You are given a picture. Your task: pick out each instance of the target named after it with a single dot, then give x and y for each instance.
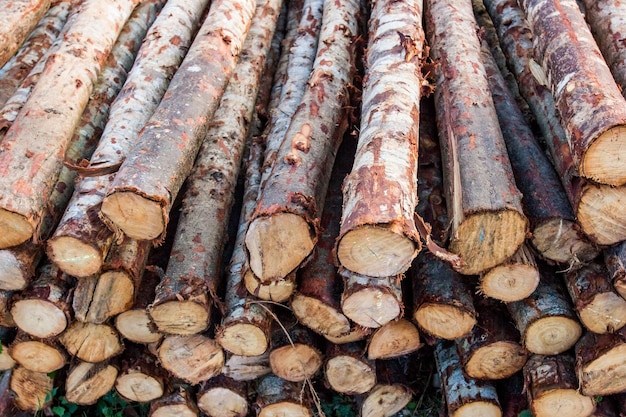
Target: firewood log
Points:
(355, 334)
(6, 396)
(66, 83)
(223, 397)
(295, 355)
(582, 85)
(247, 368)
(168, 143)
(615, 261)
(140, 378)
(546, 319)
(20, 18)
(7, 334)
(183, 299)
(392, 392)
(599, 307)
(396, 338)
(179, 403)
(464, 396)
(512, 395)
(39, 355)
(492, 350)
(347, 370)
(44, 308)
(600, 364)
(91, 342)
(87, 382)
(512, 280)
(193, 358)
(81, 241)
(606, 407)
(31, 389)
(598, 208)
(6, 319)
(276, 397)
(553, 389)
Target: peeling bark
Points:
(20, 18)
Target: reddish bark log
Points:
(600, 363)
(20, 18)
(277, 396)
(223, 397)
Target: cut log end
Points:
(32, 389)
(12, 277)
(139, 387)
(552, 335)
(376, 251)
(497, 360)
(601, 213)
(510, 282)
(278, 291)
(6, 361)
(562, 402)
(113, 294)
(319, 317)
(74, 257)
(285, 408)
(91, 342)
(605, 314)
(349, 375)
(296, 362)
(386, 400)
(138, 217)
(39, 318)
(444, 321)
(486, 239)
(223, 402)
(15, 228)
(478, 408)
(394, 339)
(354, 335)
(178, 410)
(243, 339)
(559, 240)
(180, 317)
(277, 245)
(604, 375)
(371, 307)
(604, 160)
(38, 356)
(193, 358)
(88, 382)
(134, 325)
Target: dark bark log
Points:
(392, 392)
(295, 355)
(396, 338)
(87, 382)
(369, 301)
(223, 397)
(512, 280)
(90, 342)
(512, 395)
(615, 261)
(178, 404)
(347, 370)
(38, 355)
(600, 363)
(141, 378)
(32, 389)
(6, 319)
(277, 396)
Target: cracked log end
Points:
(134, 325)
(354, 335)
(138, 217)
(138, 386)
(604, 161)
(375, 251)
(444, 321)
(319, 316)
(88, 382)
(605, 314)
(497, 360)
(180, 317)
(278, 291)
(243, 339)
(371, 307)
(91, 342)
(194, 358)
(74, 257)
(510, 282)
(387, 400)
(349, 375)
(31, 389)
(606, 374)
(552, 335)
(39, 318)
(15, 228)
(601, 213)
(559, 240)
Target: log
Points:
(32, 389)
(347, 370)
(512, 280)
(552, 387)
(31, 169)
(396, 338)
(6, 319)
(87, 382)
(546, 319)
(193, 275)
(91, 342)
(193, 358)
(512, 395)
(481, 202)
(81, 240)
(138, 205)
(179, 403)
(223, 397)
(599, 307)
(464, 396)
(247, 368)
(370, 301)
(43, 310)
(600, 363)
(289, 208)
(392, 393)
(492, 350)
(597, 207)
(295, 356)
(20, 17)
(355, 334)
(39, 355)
(278, 397)
(615, 261)
(582, 86)
(6, 361)
(278, 291)
(141, 378)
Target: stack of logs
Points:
(215, 206)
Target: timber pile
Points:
(217, 209)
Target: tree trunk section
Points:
(512, 395)
(295, 356)
(87, 382)
(6, 319)
(552, 387)
(396, 338)
(247, 368)
(141, 378)
(492, 350)
(371, 302)
(90, 342)
(546, 319)
(178, 404)
(223, 397)
(488, 225)
(392, 392)
(512, 280)
(278, 397)
(615, 261)
(32, 389)
(193, 358)
(20, 18)
(600, 363)
(347, 370)
(39, 355)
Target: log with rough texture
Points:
(615, 261)
(32, 389)
(193, 358)
(20, 17)
(392, 392)
(512, 395)
(484, 205)
(599, 209)
(91, 342)
(546, 319)
(601, 363)
(180, 403)
(33, 48)
(599, 307)
(6, 361)
(183, 299)
(347, 370)
(285, 224)
(278, 291)
(87, 382)
(31, 166)
(223, 397)
(464, 396)
(81, 241)
(591, 107)
(141, 378)
(278, 397)
(6, 319)
(295, 355)
(378, 236)
(492, 350)
(396, 338)
(39, 355)
(247, 368)
(371, 302)
(139, 199)
(553, 389)
(512, 280)
(552, 223)
(355, 334)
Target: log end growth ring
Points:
(134, 325)
(38, 356)
(479, 408)
(16, 229)
(39, 318)
(562, 402)
(602, 213)
(349, 375)
(552, 335)
(74, 257)
(12, 276)
(386, 400)
(138, 217)
(295, 362)
(376, 251)
(605, 160)
(444, 321)
(559, 240)
(605, 314)
(139, 387)
(223, 402)
(319, 317)
(510, 283)
(87, 383)
(606, 374)
(243, 339)
(371, 307)
(497, 360)
(180, 317)
(278, 291)
(354, 335)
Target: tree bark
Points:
(277, 397)
(87, 382)
(512, 280)
(178, 404)
(347, 370)
(371, 302)
(552, 387)
(141, 378)
(81, 241)
(31, 167)
(392, 392)
(484, 205)
(546, 319)
(38, 355)
(600, 365)
(6, 319)
(223, 397)
(193, 358)
(164, 151)
(512, 395)
(90, 342)
(247, 368)
(20, 18)
(32, 389)
(295, 356)
(615, 261)
(7, 334)
(591, 107)
(396, 338)
(378, 236)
